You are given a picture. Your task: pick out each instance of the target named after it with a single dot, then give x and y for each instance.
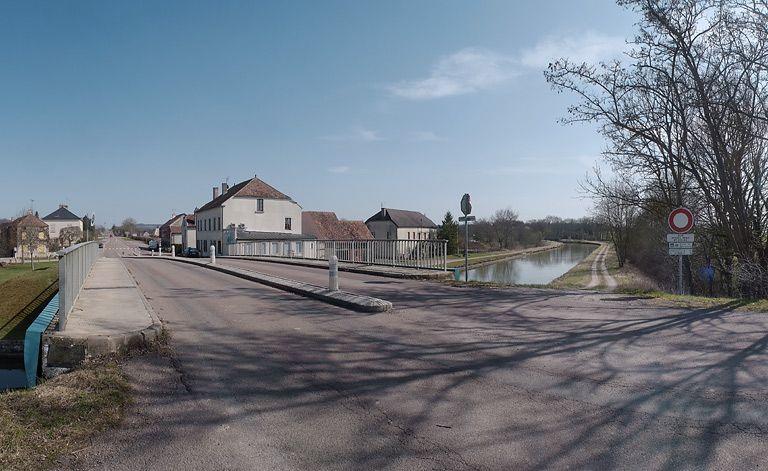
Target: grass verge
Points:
(56, 418)
(687, 301)
(19, 285)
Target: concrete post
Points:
(173, 251)
(333, 273)
(213, 255)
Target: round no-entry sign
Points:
(681, 220)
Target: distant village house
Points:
(389, 224)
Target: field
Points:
(19, 285)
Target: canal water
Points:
(535, 269)
(12, 378)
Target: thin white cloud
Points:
(356, 135)
(466, 71)
(589, 47)
(425, 136)
(545, 165)
(339, 169)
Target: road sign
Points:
(681, 245)
(680, 252)
(680, 220)
(680, 237)
(466, 205)
(466, 218)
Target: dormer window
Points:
(259, 205)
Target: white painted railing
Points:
(428, 254)
(75, 264)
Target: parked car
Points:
(191, 252)
(153, 245)
(101, 245)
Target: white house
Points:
(61, 219)
(251, 210)
(170, 231)
(401, 224)
(188, 232)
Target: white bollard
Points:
(333, 273)
(173, 251)
(151, 253)
(213, 255)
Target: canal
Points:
(535, 269)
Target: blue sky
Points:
(139, 108)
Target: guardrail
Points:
(33, 337)
(74, 265)
(427, 254)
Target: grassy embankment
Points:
(632, 281)
(493, 256)
(19, 285)
(57, 418)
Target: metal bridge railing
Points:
(427, 254)
(74, 265)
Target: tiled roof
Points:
(403, 218)
(326, 226)
(61, 214)
(172, 221)
(254, 188)
(29, 220)
(356, 230)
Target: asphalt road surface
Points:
(452, 378)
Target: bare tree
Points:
(685, 116)
(619, 218)
(32, 238)
(69, 236)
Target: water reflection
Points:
(11, 379)
(535, 269)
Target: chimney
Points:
(63, 206)
(383, 212)
(224, 187)
(215, 192)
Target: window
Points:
(219, 244)
(287, 224)
(259, 205)
(219, 223)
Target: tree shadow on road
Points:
(488, 379)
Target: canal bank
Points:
(539, 266)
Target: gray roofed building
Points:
(403, 218)
(62, 214)
(401, 224)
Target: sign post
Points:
(680, 221)
(466, 208)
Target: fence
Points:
(427, 254)
(74, 265)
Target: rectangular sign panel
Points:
(466, 218)
(679, 237)
(681, 245)
(681, 251)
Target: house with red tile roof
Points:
(15, 237)
(249, 210)
(325, 225)
(170, 231)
